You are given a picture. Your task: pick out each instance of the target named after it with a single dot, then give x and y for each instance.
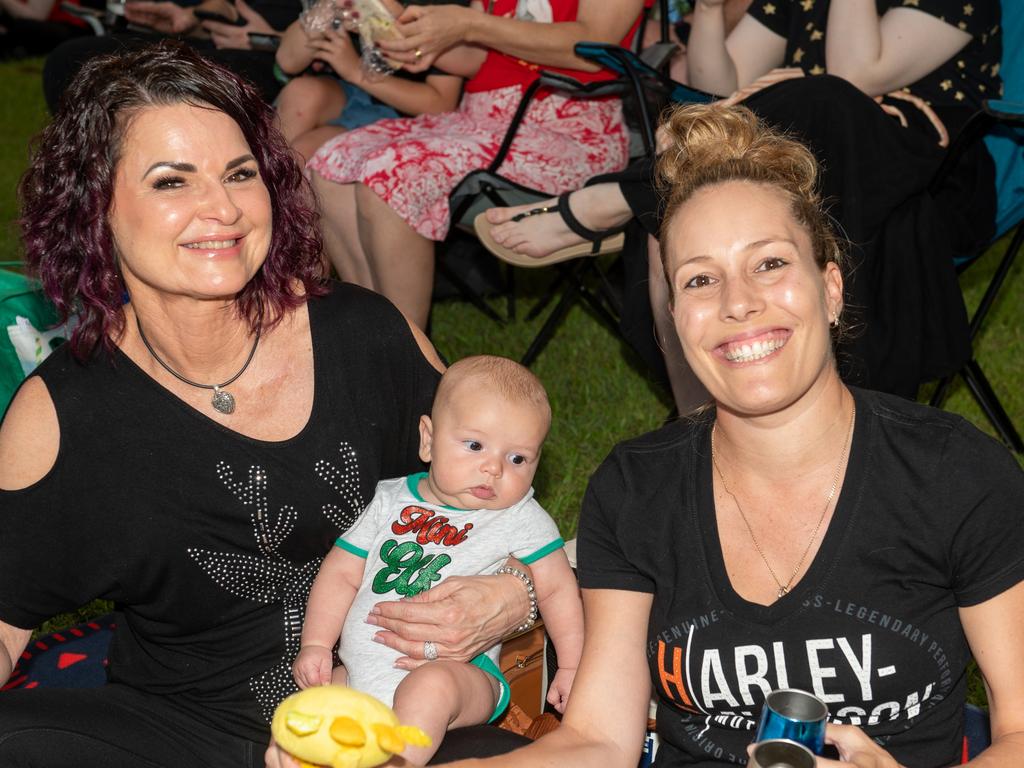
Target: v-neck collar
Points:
(839, 527)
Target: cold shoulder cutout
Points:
(29, 437)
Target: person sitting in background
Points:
(192, 453)
(384, 188)
(796, 532)
(316, 107)
(468, 514)
(35, 27)
(878, 103)
(229, 41)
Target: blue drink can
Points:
(794, 715)
(781, 753)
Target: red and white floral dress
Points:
(413, 163)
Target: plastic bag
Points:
(370, 19)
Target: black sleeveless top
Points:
(207, 540)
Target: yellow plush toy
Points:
(338, 727)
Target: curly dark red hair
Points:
(66, 192)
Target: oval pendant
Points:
(223, 401)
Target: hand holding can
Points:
(794, 715)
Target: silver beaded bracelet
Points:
(531, 619)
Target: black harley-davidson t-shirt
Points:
(208, 540)
(929, 520)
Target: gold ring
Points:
(418, 54)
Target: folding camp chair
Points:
(582, 279)
(486, 187)
(651, 88)
(1000, 124)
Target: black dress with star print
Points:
(954, 90)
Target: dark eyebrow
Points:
(238, 161)
(183, 167)
(189, 168)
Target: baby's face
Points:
(483, 449)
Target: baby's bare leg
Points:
(442, 695)
(339, 675)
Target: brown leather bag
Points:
(522, 663)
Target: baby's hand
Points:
(312, 666)
(558, 693)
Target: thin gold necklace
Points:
(784, 588)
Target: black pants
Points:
(119, 727)
(65, 60)
(112, 727)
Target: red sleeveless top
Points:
(500, 70)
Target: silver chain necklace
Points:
(222, 400)
(784, 588)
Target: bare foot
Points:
(601, 206)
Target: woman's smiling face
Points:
(751, 306)
(189, 214)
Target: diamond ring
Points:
(429, 651)
(418, 54)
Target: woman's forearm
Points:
(33, 9)
(880, 55)
(708, 62)
(1004, 752)
(440, 93)
(294, 55)
(562, 748)
(859, 46)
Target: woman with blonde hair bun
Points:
(877, 90)
(797, 533)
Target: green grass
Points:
(600, 395)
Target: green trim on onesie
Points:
(349, 547)
(483, 661)
(412, 482)
(544, 551)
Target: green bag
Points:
(26, 317)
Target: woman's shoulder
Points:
(29, 436)
(350, 323)
(357, 315)
(666, 449)
(928, 436)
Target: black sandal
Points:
(598, 241)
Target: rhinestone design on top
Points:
(344, 480)
(267, 577)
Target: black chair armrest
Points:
(1005, 111)
(992, 112)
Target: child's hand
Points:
(558, 693)
(335, 48)
(312, 666)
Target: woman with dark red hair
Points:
(219, 417)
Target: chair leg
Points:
(548, 329)
(549, 294)
(510, 297)
(941, 392)
(475, 298)
(1001, 273)
(986, 398)
(598, 305)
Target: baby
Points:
(472, 511)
